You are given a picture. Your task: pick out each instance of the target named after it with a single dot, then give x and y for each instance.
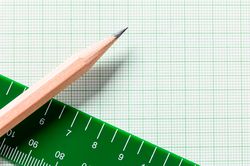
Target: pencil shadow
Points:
(88, 87)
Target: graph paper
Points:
(179, 77)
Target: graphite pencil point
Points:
(118, 34)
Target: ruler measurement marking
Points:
(16, 154)
(13, 154)
(41, 162)
(3, 149)
(100, 131)
(48, 107)
(74, 119)
(29, 160)
(2, 143)
(24, 89)
(114, 135)
(21, 158)
(166, 159)
(33, 159)
(9, 88)
(7, 148)
(28, 157)
(126, 143)
(38, 162)
(9, 153)
(62, 112)
(181, 162)
(152, 155)
(56, 163)
(19, 155)
(25, 156)
(88, 123)
(140, 147)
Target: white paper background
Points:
(179, 77)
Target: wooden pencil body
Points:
(36, 96)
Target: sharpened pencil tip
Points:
(118, 34)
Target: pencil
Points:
(41, 92)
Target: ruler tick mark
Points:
(88, 123)
(29, 160)
(9, 88)
(32, 161)
(2, 143)
(126, 143)
(28, 157)
(152, 155)
(62, 112)
(100, 131)
(114, 135)
(35, 161)
(17, 156)
(181, 162)
(16, 153)
(9, 152)
(20, 157)
(38, 163)
(140, 147)
(24, 89)
(3, 149)
(13, 154)
(23, 158)
(166, 159)
(74, 119)
(41, 162)
(48, 107)
(7, 148)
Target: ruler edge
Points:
(106, 123)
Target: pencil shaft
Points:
(36, 96)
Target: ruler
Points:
(60, 135)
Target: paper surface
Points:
(179, 77)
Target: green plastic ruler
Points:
(58, 134)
